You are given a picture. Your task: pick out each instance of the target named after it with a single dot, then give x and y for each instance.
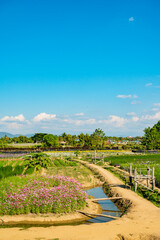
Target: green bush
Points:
(6, 171)
(18, 170)
(29, 171)
(37, 161)
(57, 163)
(62, 162)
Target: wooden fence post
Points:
(130, 174)
(135, 179)
(153, 179)
(148, 170)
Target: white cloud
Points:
(124, 96)
(131, 114)
(80, 122)
(156, 104)
(112, 123)
(115, 120)
(156, 116)
(148, 84)
(155, 109)
(90, 121)
(14, 125)
(131, 19)
(151, 84)
(127, 96)
(19, 118)
(44, 117)
(135, 119)
(135, 102)
(79, 114)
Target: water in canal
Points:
(108, 207)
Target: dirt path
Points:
(141, 222)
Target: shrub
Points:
(29, 170)
(6, 171)
(37, 161)
(18, 170)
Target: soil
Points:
(50, 218)
(142, 221)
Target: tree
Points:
(50, 140)
(64, 136)
(74, 140)
(81, 138)
(38, 137)
(69, 139)
(99, 133)
(3, 143)
(87, 140)
(98, 137)
(22, 139)
(151, 139)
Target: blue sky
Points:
(75, 66)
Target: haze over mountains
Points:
(3, 134)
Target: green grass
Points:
(2, 163)
(13, 168)
(141, 162)
(154, 196)
(63, 163)
(65, 167)
(138, 161)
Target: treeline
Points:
(96, 140)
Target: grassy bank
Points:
(141, 161)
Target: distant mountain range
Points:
(3, 134)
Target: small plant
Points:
(37, 161)
(77, 153)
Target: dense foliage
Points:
(37, 194)
(38, 137)
(50, 140)
(151, 139)
(37, 161)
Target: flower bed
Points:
(11, 155)
(37, 194)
